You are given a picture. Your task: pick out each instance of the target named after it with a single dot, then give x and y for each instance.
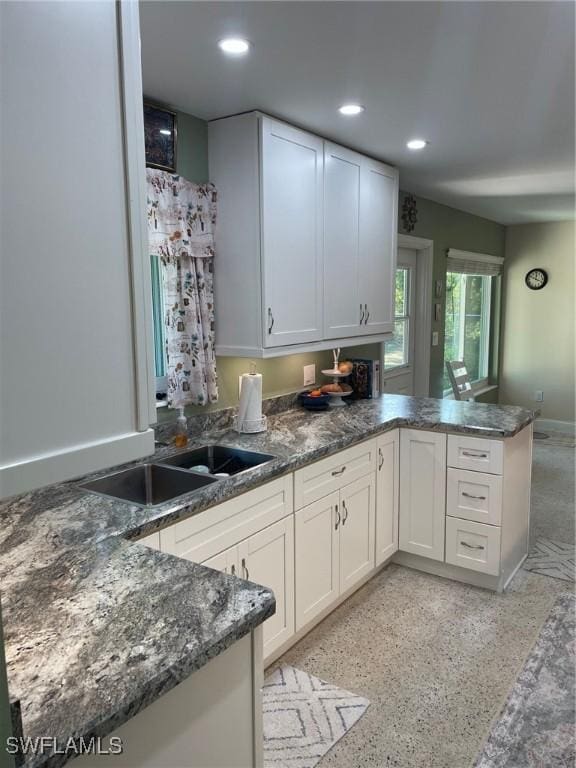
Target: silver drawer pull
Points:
(233, 570)
(471, 546)
(361, 315)
(471, 496)
(475, 455)
(345, 508)
(245, 568)
(367, 314)
(270, 320)
(339, 471)
(381, 459)
(337, 518)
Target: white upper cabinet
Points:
(378, 224)
(342, 308)
(291, 204)
(360, 212)
(305, 240)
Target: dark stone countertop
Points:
(98, 626)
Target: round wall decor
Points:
(536, 278)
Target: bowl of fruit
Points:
(314, 400)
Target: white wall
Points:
(538, 326)
(68, 388)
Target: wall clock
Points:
(536, 278)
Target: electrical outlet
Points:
(435, 338)
(309, 375)
(539, 396)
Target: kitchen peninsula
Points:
(122, 624)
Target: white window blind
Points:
(470, 263)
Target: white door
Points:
(267, 558)
(357, 507)
(226, 561)
(422, 493)
(342, 308)
(387, 493)
(398, 363)
(291, 199)
(378, 223)
(317, 557)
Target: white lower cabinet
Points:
(357, 507)
(422, 493)
(268, 558)
(387, 495)
(317, 557)
(226, 561)
(334, 546)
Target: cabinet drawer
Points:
(473, 545)
(475, 453)
(204, 535)
(323, 477)
(474, 496)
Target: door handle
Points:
(337, 518)
(245, 569)
(471, 546)
(337, 472)
(471, 496)
(233, 569)
(270, 320)
(367, 314)
(381, 464)
(361, 315)
(345, 508)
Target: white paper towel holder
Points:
(251, 426)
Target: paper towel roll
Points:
(250, 406)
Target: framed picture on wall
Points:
(160, 137)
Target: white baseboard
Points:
(568, 427)
(39, 471)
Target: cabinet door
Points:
(387, 493)
(342, 310)
(226, 561)
(317, 557)
(268, 558)
(378, 224)
(291, 199)
(422, 493)
(357, 505)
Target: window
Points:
(467, 333)
(396, 350)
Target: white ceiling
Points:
(489, 84)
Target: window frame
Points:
(487, 329)
(406, 319)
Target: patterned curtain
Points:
(181, 220)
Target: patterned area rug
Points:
(552, 558)
(304, 717)
(536, 728)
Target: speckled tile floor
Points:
(436, 659)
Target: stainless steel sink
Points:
(219, 458)
(148, 484)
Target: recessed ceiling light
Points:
(351, 109)
(234, 46)
(416, 144)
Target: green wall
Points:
(448, 227)
(192, 148)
